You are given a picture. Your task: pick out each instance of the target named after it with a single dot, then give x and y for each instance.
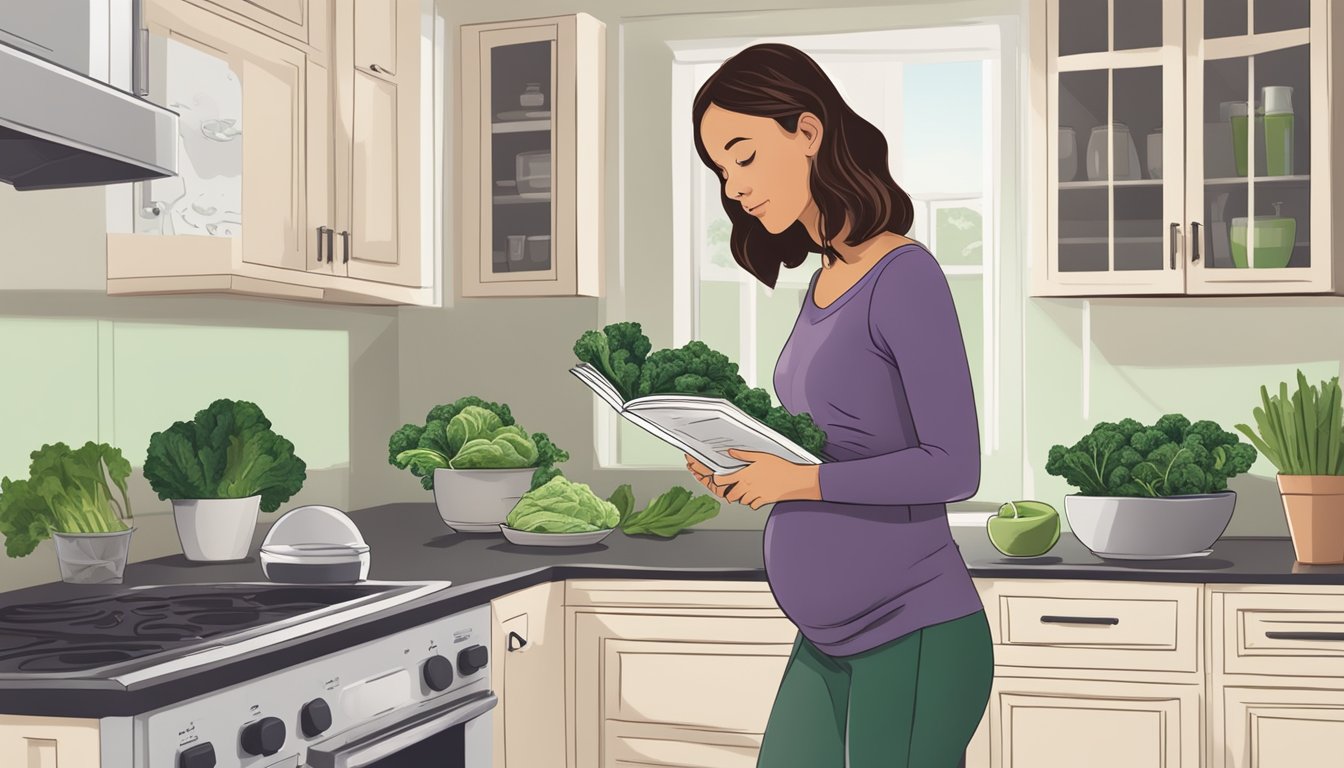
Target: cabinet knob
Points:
(512, 637)
(377, 69)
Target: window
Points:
(935, 94)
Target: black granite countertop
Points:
(408, 542)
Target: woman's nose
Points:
(738, 190)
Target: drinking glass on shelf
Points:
(1068, 154)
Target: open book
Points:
(704, 427)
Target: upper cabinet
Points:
(531, 171)
(309, 153)
(1179, 138)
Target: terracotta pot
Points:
(1314, 506)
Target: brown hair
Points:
(850, 178)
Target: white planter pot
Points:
(212, 530)
(93, 558)
(479, 500)
(1130, 528)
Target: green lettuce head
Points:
(562, 506)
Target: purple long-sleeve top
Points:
(882, 369)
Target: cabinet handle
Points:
(1194, 241)
(329, 232)
(377, 69)
(319, 244)
(1305, 635)
(1175, 242)
(515, 636)
(1079, 620)
(345, 240)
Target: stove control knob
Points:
(314, 717)
(438, 673)
(264, 737)
(472, 659)
(199, 756)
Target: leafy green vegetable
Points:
(1172, 457)
(618, 351)
(671, 513)
(1302, 434)
(624, 500)
(621, 352)
(561, 506)
(227, 451)
(69, 491)
(472, 433)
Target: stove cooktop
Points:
(135, 627)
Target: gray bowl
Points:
(533, 539)
(1124, 527)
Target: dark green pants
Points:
(912, 703)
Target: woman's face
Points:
(762, 166)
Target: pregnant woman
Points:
(893, 661)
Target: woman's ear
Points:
(810, 130)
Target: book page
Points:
(712, 426)
(595, 381)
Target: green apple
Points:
(1024, 528)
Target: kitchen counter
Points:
(409, 543)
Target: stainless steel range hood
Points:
(60, 128)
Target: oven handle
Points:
(368, 749)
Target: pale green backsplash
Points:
(118, 382)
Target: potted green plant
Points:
(1301, 436)
(220, 470)
(1148, 492)
(476, 459)
(68, 497)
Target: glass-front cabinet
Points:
(1180, 138)
(532, 133)
(1258, 106)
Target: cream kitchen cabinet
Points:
(528, 674)
(302, 21)
(671, 673)
(49, 742)
(1183, 148)
(307, 170)
(1277, 688)
(1093, 673)
(532, 144)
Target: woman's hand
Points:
(766, 479)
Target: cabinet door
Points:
(300, 20)
(677, 691)
(48, 742)
(532, 145)
(1259, 125)
(1037, 723)
(384, 144)
(1115, 141)
(249, 106)
(1278, 728)
(528, 675)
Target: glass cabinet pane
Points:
(1224, 18)
(1138, 24)
(1280, 15)
(1084, 205)
(1257, 144)
(1136, 167)
(206, 197)
(1084, 26)
(521, 163)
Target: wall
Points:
(80, 365)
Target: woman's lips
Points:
(758, 209)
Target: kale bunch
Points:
(618, 351)
(1170, 458)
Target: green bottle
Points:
(1238, 119)
(1278, 130)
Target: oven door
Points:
(452, 734)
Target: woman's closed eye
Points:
(748, 160)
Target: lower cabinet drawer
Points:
(1094, 625)
(1290, 632)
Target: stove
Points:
(384, 703)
